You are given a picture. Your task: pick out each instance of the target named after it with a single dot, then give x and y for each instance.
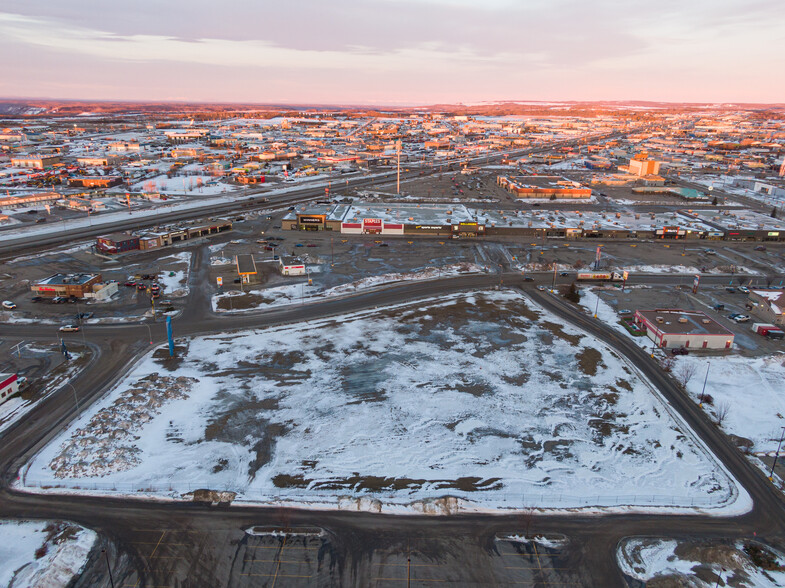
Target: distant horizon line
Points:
(273, 104)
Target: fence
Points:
(428, 499)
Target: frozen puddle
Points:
(469, 402)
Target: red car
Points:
(131, 284)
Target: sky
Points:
(394, 52)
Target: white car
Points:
(744, 289)
(8, 305)
(69, 329)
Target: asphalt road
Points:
(182, 544)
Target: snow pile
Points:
(703, 564)
(220, 261)
(35, 554)
(106, 443)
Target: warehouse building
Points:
(35, 161)
(66, 285)
(692, 329)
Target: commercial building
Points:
(9, 385)
(42, 198)
(291, 266)
(692, 329)
(35, 161)
(117, 243)
(770, 304)
(644, 167)
(66, 285)
(543, 187)
(95, 181)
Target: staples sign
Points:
(372, 222)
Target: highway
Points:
(202, 543)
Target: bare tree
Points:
(721, 412)
(525, 518)
(667, 363)
(578, 264)
(684, 373)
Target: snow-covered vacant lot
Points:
(484, 398)
(35, 554)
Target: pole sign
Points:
(625, 274)
(220, 281)
(695, 283)
(597, 257)
(169, 335)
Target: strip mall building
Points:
(457, 221)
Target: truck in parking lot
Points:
(600, 276)
(768, 330)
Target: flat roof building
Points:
(672, 327)
(66, 285)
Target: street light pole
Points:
(706, 379)
(108, 567)
(76, 399)
(774, 464)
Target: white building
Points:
(291, 266)
(9, 385)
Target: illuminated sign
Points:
(468, 224)
(774, 234)
(373, 222)
(430, 227)
(311, 220)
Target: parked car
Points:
(8, 305)
(299, 245)
(38, 221)
(84, 315)
(744, 289)
(760, 248)
(710, 252)
(131, 284)
(739, 318)
(36, 299)
(564, 274)
(542, 288)
(315, 245)
(69, 329)
(680, 351)
(625, 311)
(730, 289)
(58, 300)
(268, 248)
(719, 307)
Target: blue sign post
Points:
(169, 335)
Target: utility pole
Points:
(703, 392)
(398, 182)
(774, 464)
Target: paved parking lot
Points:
(176, 557)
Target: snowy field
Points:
(747, 390)
(175, 286)
(183, 185)
(301, 292)
(483, 398)
(703, 566)
(42, 554)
